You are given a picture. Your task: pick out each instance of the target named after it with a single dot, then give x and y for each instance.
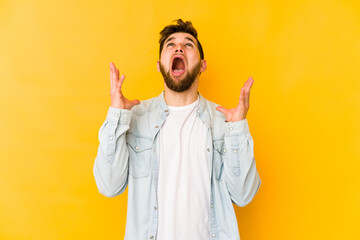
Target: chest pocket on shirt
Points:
(219, 154)
(139, 155)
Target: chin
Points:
(182, 82)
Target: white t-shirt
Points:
(184, 181)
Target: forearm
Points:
(111, 163)
(241, 176)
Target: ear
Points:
(203, 66)
(158, 65)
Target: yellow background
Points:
(304, 109)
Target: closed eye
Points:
(169, 44)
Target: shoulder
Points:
(144, 118)
(211, 108)
(217, 119)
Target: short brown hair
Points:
(180, 26)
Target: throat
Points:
(178, 65)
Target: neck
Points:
(178, 99)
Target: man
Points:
(184, 158)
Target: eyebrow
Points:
(190, 40)
(169, 39)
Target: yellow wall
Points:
(304, 113)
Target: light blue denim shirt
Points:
(127, 156)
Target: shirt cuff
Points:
(238, 127)
(117, 115)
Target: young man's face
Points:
(180, 62)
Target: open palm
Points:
(239, 112)
(118, 100)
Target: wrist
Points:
(117, 104)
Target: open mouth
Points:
(178, 66)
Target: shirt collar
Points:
(201, 109)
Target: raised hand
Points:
(239, 113)
(117, 98)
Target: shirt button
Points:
(116, 114)
(213, 235)
(157, 127)
(212, 206)
(198, 111)
(155, 207)
(231, 129)
(166, 111)
(111, 138)
(208, 149)
(224, 151)
(137, 148)
(235, 151)
(151, 237)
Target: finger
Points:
(121, 80)
(241, 103)
(242, 96)
(247, 100)
(112, 67)
(112, 80)
(249, 83)
(117, 73)
(247, 92)
(113, 72)
(246, 83)
(222, 110)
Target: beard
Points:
(181, 85)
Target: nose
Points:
(179, 49)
